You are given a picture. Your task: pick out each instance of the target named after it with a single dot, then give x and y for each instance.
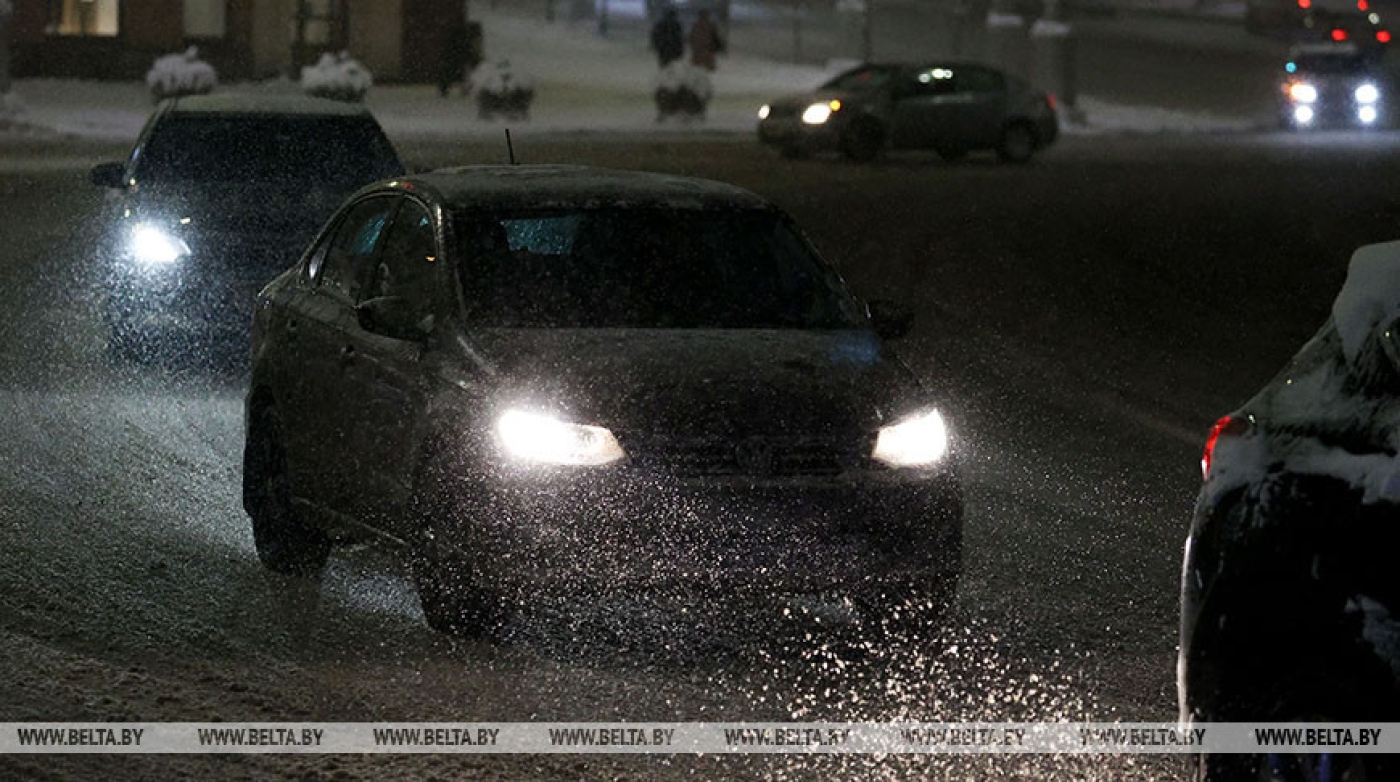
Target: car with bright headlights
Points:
(220, 194)
(952, 108)
(1290, 599)
(1333, 85)
(543, 381)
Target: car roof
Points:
(244, 103)
(545, 186)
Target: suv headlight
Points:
(1367, 93)
(1302, 92)
(917, 441)
(152, 247)
(543, 439)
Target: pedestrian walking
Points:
(667, 38)
(705, 42)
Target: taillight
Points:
(1051, 102)
(1339, 35)
(1383, 36)
(1305, 4)
(1229, 426)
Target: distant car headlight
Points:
(151, 246)
(1302, 92)
(543, 439)
(914, 442)
(817, 113)
(764, 111)
(1367, 93)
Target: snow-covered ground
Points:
(583, 83)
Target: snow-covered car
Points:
(1289, 587)
(220, 194)
(953, 108)
(549, 380)
(1333, 85)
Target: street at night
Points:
(1087, 317)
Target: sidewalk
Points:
(583, 84)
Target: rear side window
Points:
(352, 247)
(979, 80)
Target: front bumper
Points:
(791, 132)
(733, 534)
(181, 300)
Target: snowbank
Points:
(681, 75)
(181, 74)
(1370, 297)
(338, 77)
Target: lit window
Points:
(84, 17)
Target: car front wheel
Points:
(285, 543)
(862, 140)
(455, 596)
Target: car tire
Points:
(285, 542)
(1017, 144)
(862, 140)
(453, 594)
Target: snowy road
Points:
(1089, 316)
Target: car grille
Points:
(750, 456)
(782, 112)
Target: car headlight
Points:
(916, 441)
(818, 113)
(543, 439)
(151, 246)
(1302, 92)
(764, 111)
(1367, 93)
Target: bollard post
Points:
(1054, 48)
(1006, 38)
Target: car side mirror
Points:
(891, 320)
(394, 317)
(110, 175)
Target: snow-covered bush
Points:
(503, 89)
(682, 90)
(338, 77)
(181, 74)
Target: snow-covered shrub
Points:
(338, 77)
(682, 90)
(181, 74)
(502, 89)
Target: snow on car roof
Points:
(254, 103)
(1369, 297)
(501, 186)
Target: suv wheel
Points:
(1017, 143)
(862, 140)
(455, 598)
(285, 543)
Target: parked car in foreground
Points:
(952, 108)
(1290, 593)
(539, 378)
(220, 194)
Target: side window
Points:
(931, 81)
(352, 247)
(979, 80)
(408, 265)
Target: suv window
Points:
(979, 80)
(408, 266)
(353, 245)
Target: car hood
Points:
(702, 383)
(798, 101)
(271, 211)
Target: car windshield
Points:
(1331, 64)
(266, 148)
(867, 78)
(646, 268)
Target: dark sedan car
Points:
(556, 378)
(1290, 594)
(220, 194)
(953, 108)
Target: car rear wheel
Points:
(455, 596)
(285, 543)
(862, 140)
(1017, 143)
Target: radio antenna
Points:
(510, 149)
